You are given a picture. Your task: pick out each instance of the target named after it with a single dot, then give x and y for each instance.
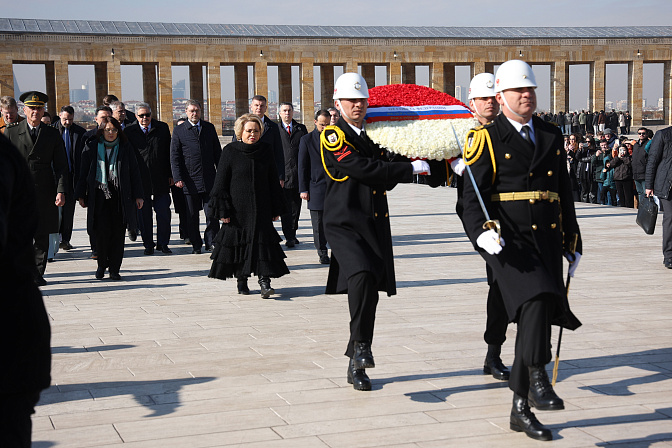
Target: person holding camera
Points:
(622, 165)
(585, 171)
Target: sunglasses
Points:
(144, 115)
(641, 133)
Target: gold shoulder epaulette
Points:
(475, 142)
(11, 125)
(333, 139)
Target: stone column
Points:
(350, 66)
(261, 78)
(449, 78)
(327, 86)
(100, 72)
(477, 68)
(369, 74)
(408, 74)
(50, 78)
(667, 92)
(114, 77)
(635, 86)
(285, 83)
(62, 84)
(438, 76)
(149, 86)
(196, 83)
(215, 95)
(559, 86)
(307, 95)
(597, 73)
(6, 76)
(394, 73)
(241, 89)
(165, 96)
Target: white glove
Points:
(458, 166)
(488, 242)
(573, 264)
(420, 166)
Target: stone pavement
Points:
(170, 358)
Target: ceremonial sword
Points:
(489, 223)
(572, 249)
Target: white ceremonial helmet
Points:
(514, 74)
(482, 86)
(350, 85)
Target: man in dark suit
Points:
(312, 181)
(356, 219)
(151, 138)
(290, 136)
(194, 155)
(270, 134)
(43, 148)
(525, 187)
(121, 114)
(109, 99)
(73, 140)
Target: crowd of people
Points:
(587, 122)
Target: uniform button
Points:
(534, 227)
(381, 153)
(532, 201)
(375, 215)
(550, 173)
(384, 193)
(374, 191)
(507, 156)
(531, 174)
(386, 215)
(558, 152)
(553, 226)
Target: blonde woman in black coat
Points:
(247, 198)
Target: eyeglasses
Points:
(641, 133)
(144, 115)
(111, 131)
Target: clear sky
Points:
(493, 13)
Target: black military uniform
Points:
(529, 191)
(357, 225)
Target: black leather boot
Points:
(358, 377)
(541, 394)
(493, 364)
(363, 358)
(266, 290)
(523, 420)
(242, 285)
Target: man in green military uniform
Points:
(356, 218)
(525, 187)
(43, 149)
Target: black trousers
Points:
(533, 341)
(626, 193)
(319, 238)
(497, 318)
(110, 231)
(41, 246)
(362, 301)
(160, 203)
(666, 204)
(180, 204)
(15, 424)
(196, 202)
(68, 217)
(290, 219)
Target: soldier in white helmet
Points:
(358, 229)
(525, 187)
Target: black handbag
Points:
(647, 212)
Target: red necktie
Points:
(289, 129)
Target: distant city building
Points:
(608, 105)
(661, 103)
(622, 105)
(272, 96)
(82, 94)
(180, 89)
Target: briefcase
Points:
(647, 212)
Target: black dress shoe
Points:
(523, 420)
(266, 290)
(115, 276)
(50, 260)
(242, 286)
(100, 273)
(40, 281)
(296, 241)
(132, 235)
(324, 259)
(541, 394)
(164, 249)
(363, 358)
(358, 377)
(149, 250)
(196, 251)
(66, 245)
(210, 248)
(187, 241)
(496, 368)
(289, 243)
(668, 263)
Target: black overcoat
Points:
(153, 154)
(312, 178)
(356, 216)
(290, 147)
(247, 192)
(531, 262)
(130, 183)
(77, 143)
(24, 325)
(194, 156)
(49, 166)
